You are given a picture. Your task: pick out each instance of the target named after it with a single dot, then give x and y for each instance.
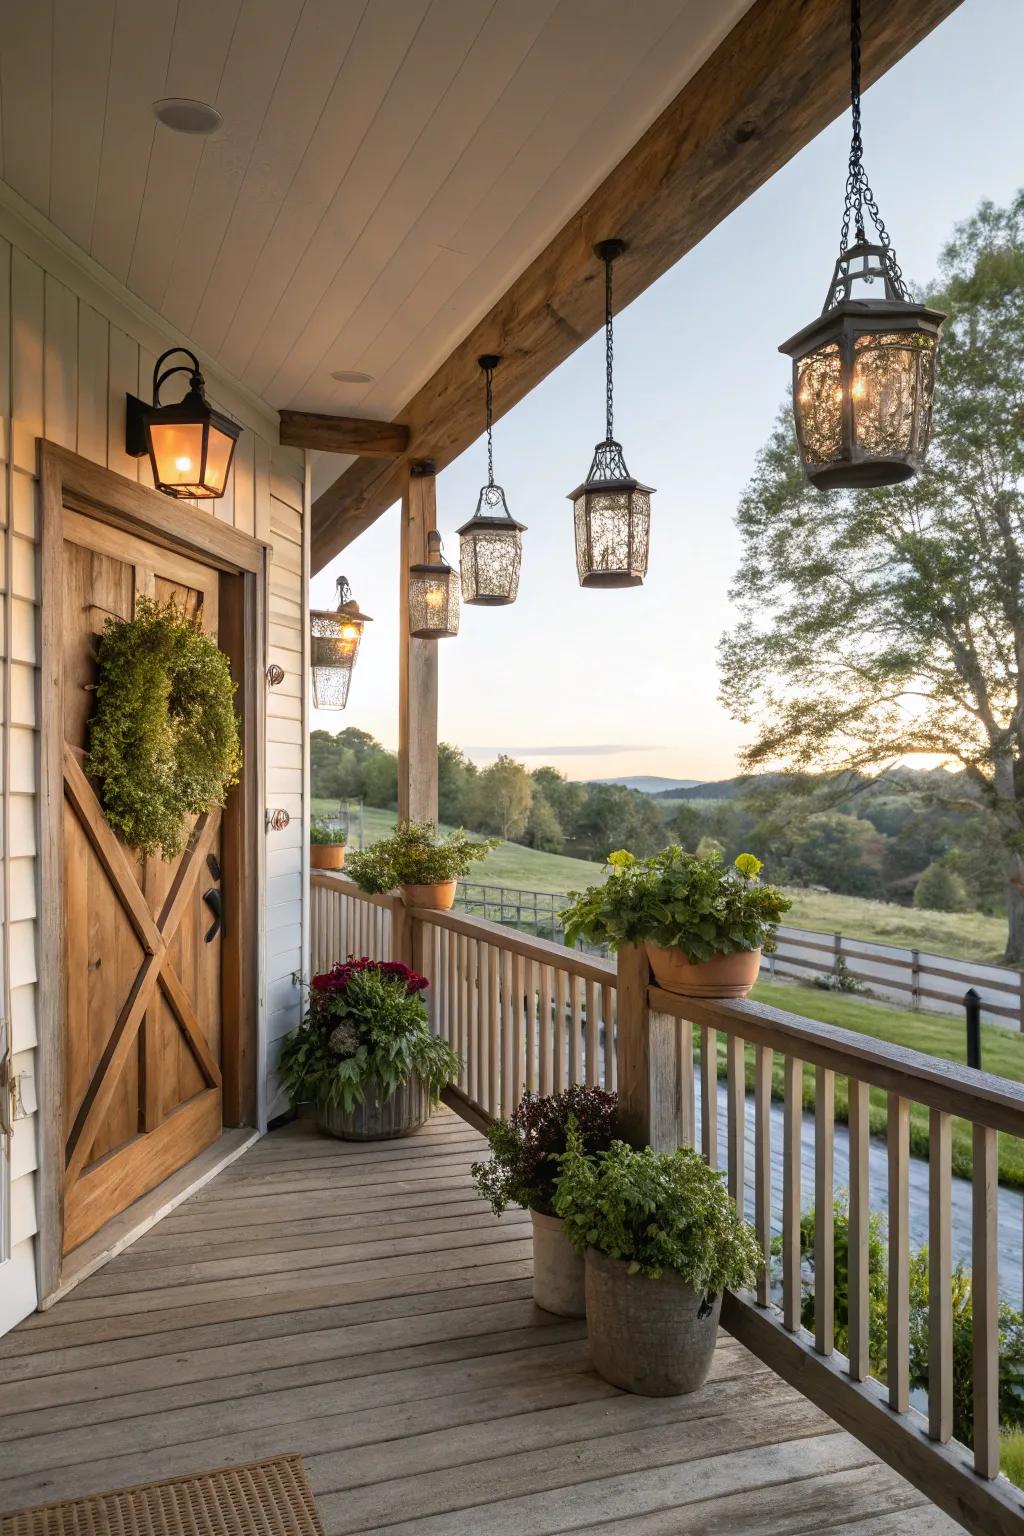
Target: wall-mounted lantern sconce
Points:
(190, 445)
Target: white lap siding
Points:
(71, 346)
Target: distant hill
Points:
(714, 789)
(650, 783)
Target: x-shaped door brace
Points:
(155, 935)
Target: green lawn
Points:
(965, 935)
(1002, 1052)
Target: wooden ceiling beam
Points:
(779, 77)
(344, 434)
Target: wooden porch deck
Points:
(359, 1305)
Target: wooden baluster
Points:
(532, 1047)
(940, 1277)
(791, 1140)
(506, 1032)
(763, 1166)
(860, 1212)
(985, 1300)
(687, 1086)
(824, 1214)
(546, 1006)
(561, 1043)
(452, 991)
(520, 969)
(473, 1019)
(576, 1024)
(493, 1032)
(593, 1063)
(483, 982)
(898, 1364)
(611, 1064)
(709, 1094)
(736, 1118)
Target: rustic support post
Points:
(650, 1098)
(417, 661)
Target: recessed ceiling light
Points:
(186, 116)
(352, 376)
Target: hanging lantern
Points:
(190, 445)
(864, 370)
(491, 543)
(433, 595)
(333, 648)
(611, 510)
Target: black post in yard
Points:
(972, 1011)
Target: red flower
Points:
(337, 978)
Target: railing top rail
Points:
(946, 1085)
(589, 967)
(343, 887)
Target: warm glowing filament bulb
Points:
(183, 464)
(349, 632)
(435, 597)
(859, 389)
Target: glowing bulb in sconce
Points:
(183, 464)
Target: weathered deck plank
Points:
(358, 1305)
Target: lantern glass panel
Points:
(612, 535)
(819, 404)
(891, 391)
(219, 448)
(490, 561)
(334, 646)
(177, 451)
(433, 602)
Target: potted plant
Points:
(326, 845)
(662, 1239)
(523, 1169)
(705, 924)
(425, 865)
(364, 1055)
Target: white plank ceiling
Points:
(385, 167)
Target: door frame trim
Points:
(67, 479)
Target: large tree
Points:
(884, 625)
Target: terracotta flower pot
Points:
(721, 976)
(436, 898)
(327, 855)
(557, 1268)
(647, 1336)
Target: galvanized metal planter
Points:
(379, 1118)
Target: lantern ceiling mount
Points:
(190, 445)
(611, 510)
(491, 542)
(864, 370)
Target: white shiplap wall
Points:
(70, 347)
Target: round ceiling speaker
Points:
(186, 116)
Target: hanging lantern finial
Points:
(334, 646)
(491, 543)
(611, 510)
(864, 370)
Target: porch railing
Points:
(523, 1012)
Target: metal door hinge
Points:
(17, 1089)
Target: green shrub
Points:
(941, 889)
(322, 834)
(366, 1025)
(523, 1166)
(678, 899)
(656, 1211)
(415, 854)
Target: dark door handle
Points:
(213, 901)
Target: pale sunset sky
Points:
(625, 682)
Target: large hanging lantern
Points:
(333, 648)
(611, 510)
(491, 543)
(190, 445)
(864, 370)
(433, 595)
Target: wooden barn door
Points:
(142, 948)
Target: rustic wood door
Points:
(142, 947)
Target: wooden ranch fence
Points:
(522, 1011)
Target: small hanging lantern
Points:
(491, 543)
(864, 371)
(611, 510)
(433, 595)
(190, 445)
(333, 648)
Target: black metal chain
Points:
(609, 349)
(489, 376)
(858, 189)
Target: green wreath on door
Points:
(164, 740)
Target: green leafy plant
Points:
(678, 899)
(366, 1028)
(656, 1211)
(322, 834)
(523, 1167)
(416, 854)
(164, 740)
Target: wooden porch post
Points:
(417, 663)
(649, 1081)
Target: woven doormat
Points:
(264, 1498)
